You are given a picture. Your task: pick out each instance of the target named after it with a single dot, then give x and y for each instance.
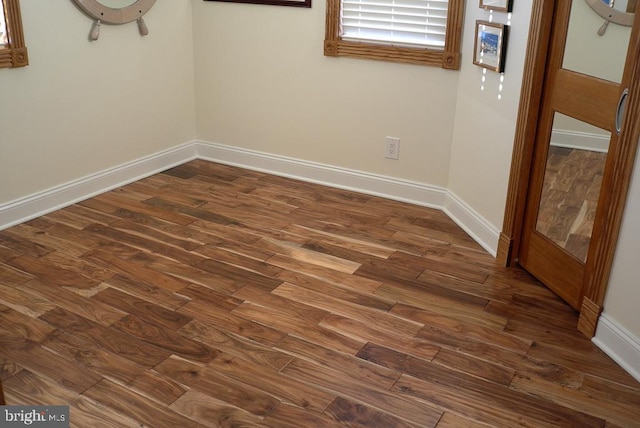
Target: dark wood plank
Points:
(233, 324)
(136, 270)
(27, 387)
(272, 382)
(615, 411)
(370, 333)
(299, 327)
(123, 401)
(36, 359)
(290, 416)
(209, 381)
(29, 304)
(382, 320)
(20, 326)
(492, 336)
(362, 297)
(165, 339)
(146, 291)
(143, 309)
(234, 344)
(413, 411)
(352, 414)
(285, 306)
(354, 367)
(211, 412)
(74, 302)
(52, 273)
(110, 339)
(13, 276)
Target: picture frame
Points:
(490, 49)
(497, 5)
(294, 3)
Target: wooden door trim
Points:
(526, 127)
(622, 157)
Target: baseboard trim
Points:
(483, 232)
(617, 342)
(35, 205)
(392, 188)
(342, 178)
(579, 140)
(426, 195)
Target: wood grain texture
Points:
(153, 305)
(526, 127)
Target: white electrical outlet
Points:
(392, 148)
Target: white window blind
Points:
(397, 22)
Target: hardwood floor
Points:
(214, 296)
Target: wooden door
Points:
(586, 78)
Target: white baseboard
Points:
(32, 206)
(579, 140)
(38, 204)
(618, 343)
(342, 178)
(476, 226)
(392, 188)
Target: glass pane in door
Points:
(572, 180)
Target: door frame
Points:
(598, 267)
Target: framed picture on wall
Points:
(490, 45)
(295, 3)
(497, 5)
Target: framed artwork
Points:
(490, 45)
(497, 5)
(295, 3)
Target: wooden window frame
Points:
(448, 58)
(15, 54)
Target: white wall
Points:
(264, 84)
(484, 125)
(622, 302)
(82, 107)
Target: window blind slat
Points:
(405, 22)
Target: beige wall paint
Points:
(623, 295)
(264, 84)
(484, 125)
(82, 107)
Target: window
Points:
(4, 40)
(427, 32)
(13, 52)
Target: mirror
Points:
(587, 52)
(617, 11)
(115, 12)
(572, 180)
